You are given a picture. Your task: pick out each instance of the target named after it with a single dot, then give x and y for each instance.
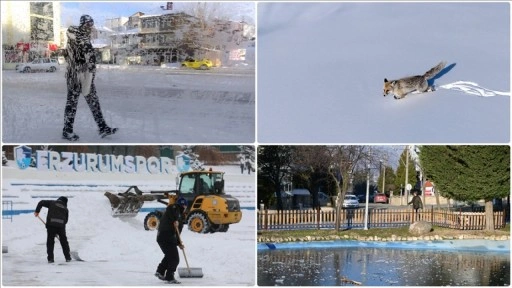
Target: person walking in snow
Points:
(80, 75)
(168, 239)
(242, 165)
(249, 166)
(56, 221)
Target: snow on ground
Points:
(321, 67)
(149, 104)
(118, 251)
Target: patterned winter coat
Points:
(80, 52)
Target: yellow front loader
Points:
(209, 208)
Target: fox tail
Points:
(433, 72)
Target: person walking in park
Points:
(416, 203)
(56, 221)
(80, 74)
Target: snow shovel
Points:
(188, 272)
(73, 254)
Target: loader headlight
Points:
(214, 202)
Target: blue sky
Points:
(71, 11)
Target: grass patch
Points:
(380, 232)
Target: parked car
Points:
(41, 64)
(350, 201)
(202, 64)
(380, 198)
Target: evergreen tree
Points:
(274, 165)
(195, 164)
(247, 156)
(469, 173)
(400, 172)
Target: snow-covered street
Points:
(117, 251)
(149, 104)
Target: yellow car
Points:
(203, 64)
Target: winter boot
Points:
(70, 136)
(170, 279)
(159, 275)
(105, 131)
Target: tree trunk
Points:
(489, 216)
(339, 202)
(278, 197)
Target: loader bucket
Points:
(126, 204)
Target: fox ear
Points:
(385, 80)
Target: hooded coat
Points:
(57, 212)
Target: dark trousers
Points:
(170, 261)
(417, 213)
(50, 241)
(74, 90)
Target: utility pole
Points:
(367, 189)
(383, 167)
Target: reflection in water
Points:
(378, 266)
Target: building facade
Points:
(170, 38)
(29, 30)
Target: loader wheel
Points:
(197, 222)
(219, 228)
(224, 228)
(152, 221)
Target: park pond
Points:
(411, 263)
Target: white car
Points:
(41, 64)
(350, 201)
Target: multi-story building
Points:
(169, 38)
(29, 30)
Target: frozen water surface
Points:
(379, 265)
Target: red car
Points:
(380, 198)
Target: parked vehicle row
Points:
(51, 65)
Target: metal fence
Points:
(7, 211)
(383, 218)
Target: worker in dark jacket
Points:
(56, 221)
(168, 240)
(80, 75)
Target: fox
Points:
(401, 87)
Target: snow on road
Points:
(148, 104)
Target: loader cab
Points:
(197, 183)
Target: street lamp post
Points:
(367, 198)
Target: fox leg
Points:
(398, 96)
